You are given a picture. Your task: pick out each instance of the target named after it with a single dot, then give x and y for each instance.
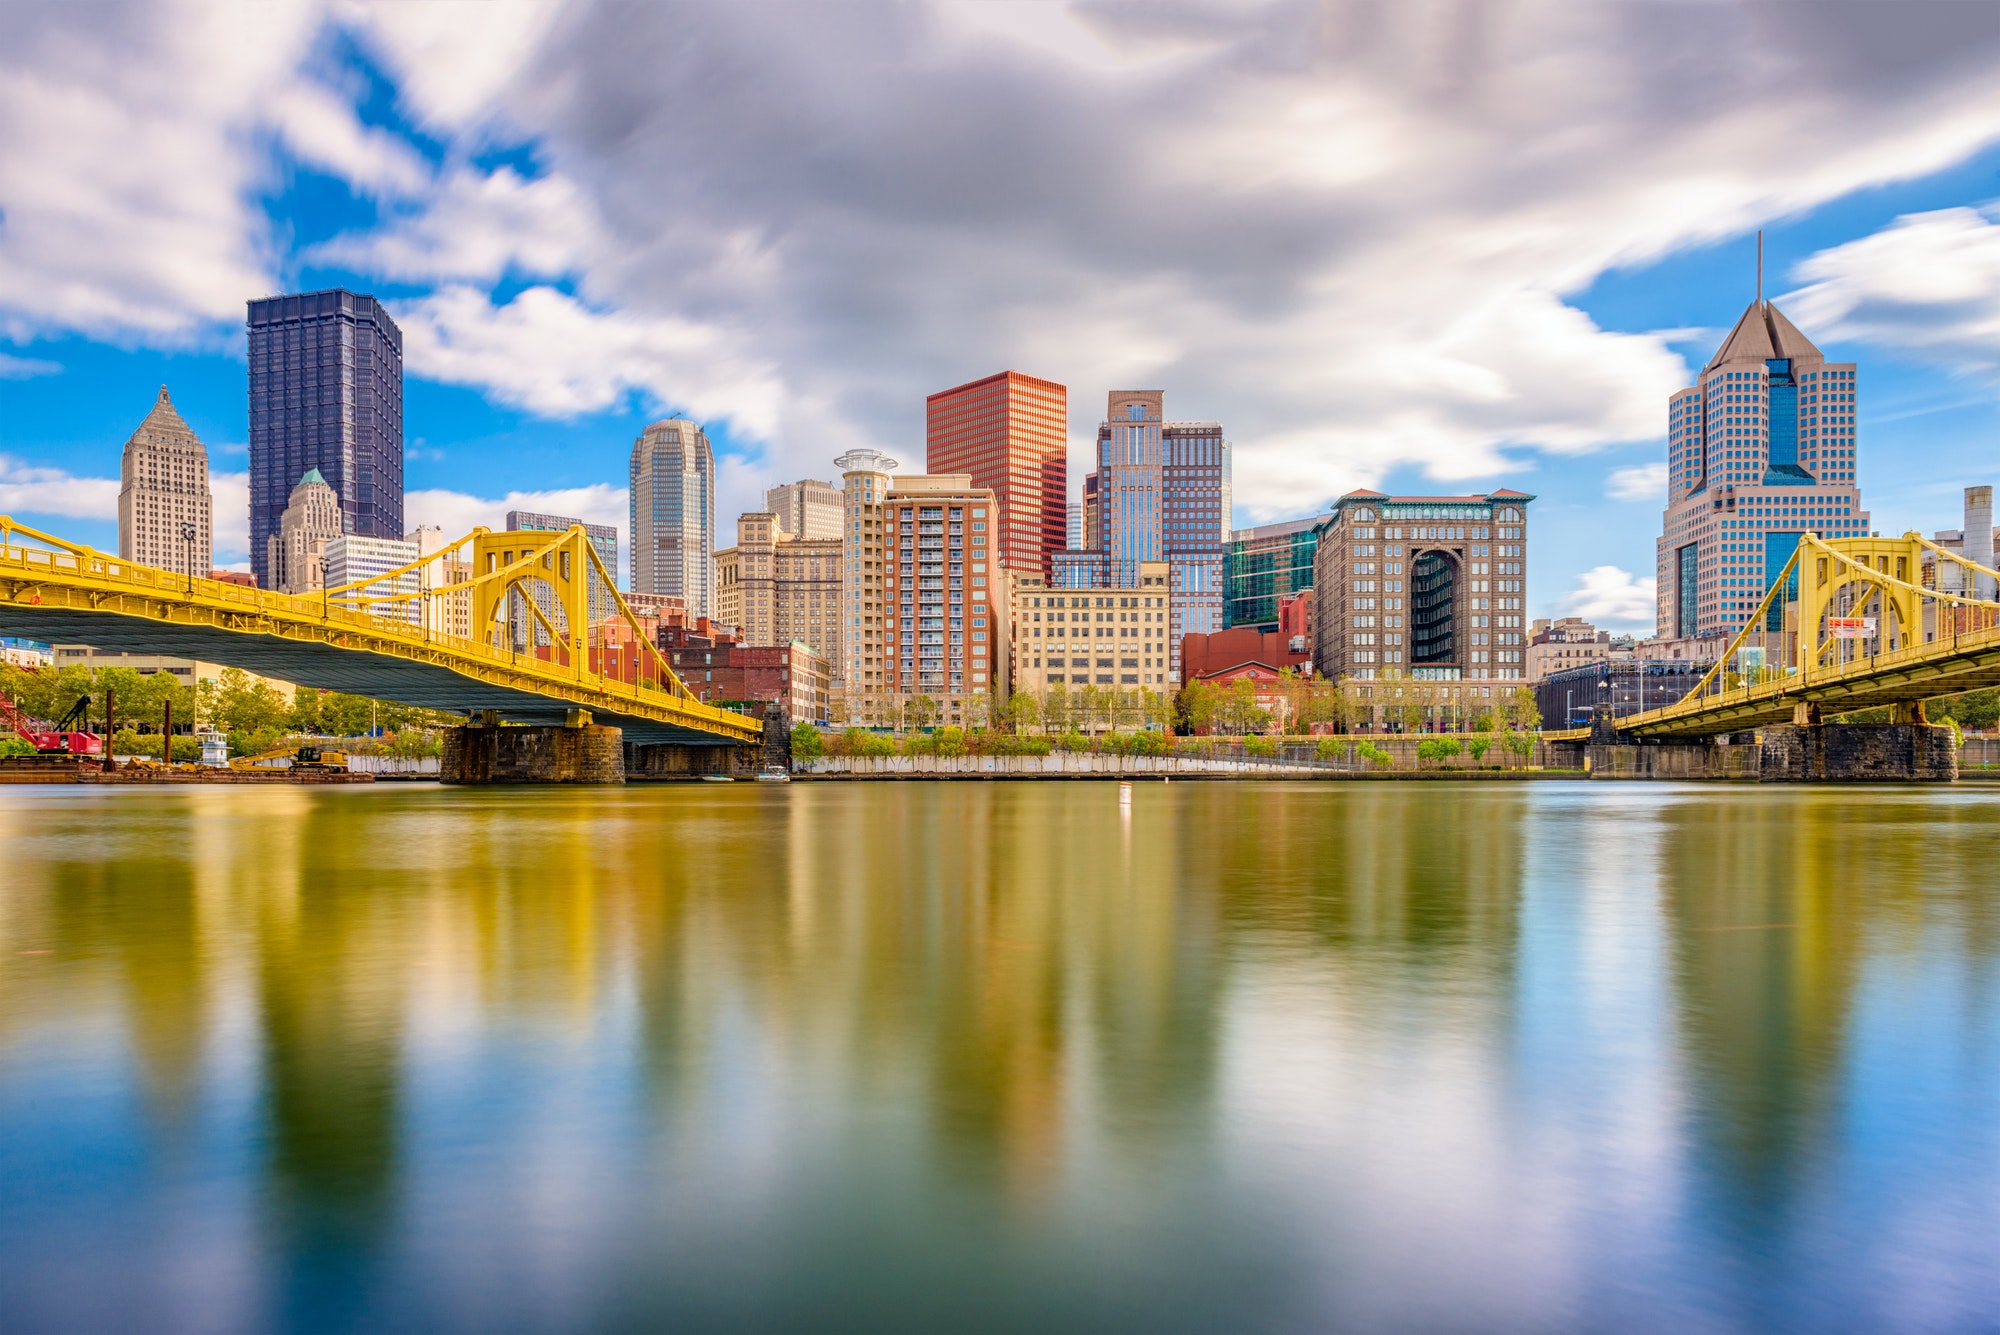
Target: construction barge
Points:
(93, 769)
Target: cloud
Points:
(1612, 598)
(26, 490)
(1345, 230)
(26, 368)
(129, 164)
(458, 513)
(549, 353)
(1638, 482)
(1928, 283)
(229, 517)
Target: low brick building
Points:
(1215, 655)
(720, 670)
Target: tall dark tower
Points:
(326, 392)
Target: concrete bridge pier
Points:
(485, 751)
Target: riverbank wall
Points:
(1083, 765)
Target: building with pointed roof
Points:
(296, 555)
(1761, 449)
(1429, 587)
(165, 510)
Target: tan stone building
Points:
(296, 553)
(861, 682)
(162, 490)
(1429, 587)
(776, 589)
(807, 508)
(1567, 642)
(1116, 638)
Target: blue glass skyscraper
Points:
(326, 392)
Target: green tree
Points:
(1199, 703)
(1479, 745)
(806, 742)
(244, 704)
(1056, 709)
(950, 741)
(921, 713)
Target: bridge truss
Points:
(1847, 625)
(528, 625)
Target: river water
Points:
(1007, 1056)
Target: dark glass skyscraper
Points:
(326, 392)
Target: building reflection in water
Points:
(656, 1032)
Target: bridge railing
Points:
(1823, 637)
(246, 608)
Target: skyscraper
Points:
(673, 514)
(1160, 492)
(1760, 450)
(1010, 433)
(326, 393)
(806, 509)
(866, 560)
(162, 489)
(1429, 587)
(1267, 565)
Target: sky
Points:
(1421, 247)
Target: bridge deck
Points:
(1969, 661)
(98, 600)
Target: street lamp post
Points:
(187, 546)
(1569, 706)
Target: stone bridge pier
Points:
(487, 751)
(1909, 750)
(678, 761)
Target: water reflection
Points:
(1245, 1056)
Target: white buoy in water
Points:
(1124, 792)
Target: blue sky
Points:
(1383, 248)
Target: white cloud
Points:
(458, 513)
(26, 368)
(549, 353)
(1612, 598)
(129, 164)
(1346, 232)
(1638, 482)
(30, 491)
(1929, 283)
(477, 226)
(320, 129)
(229, 518)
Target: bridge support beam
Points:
(1858, 753)
(585, 753)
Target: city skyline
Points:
(1404, 349)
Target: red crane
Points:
(61, 740)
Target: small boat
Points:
(774, 776)
(716, 778)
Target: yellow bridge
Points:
(1847, 625)
(527, 626)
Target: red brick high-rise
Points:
(1011, 433)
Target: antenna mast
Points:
(1760, 268)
